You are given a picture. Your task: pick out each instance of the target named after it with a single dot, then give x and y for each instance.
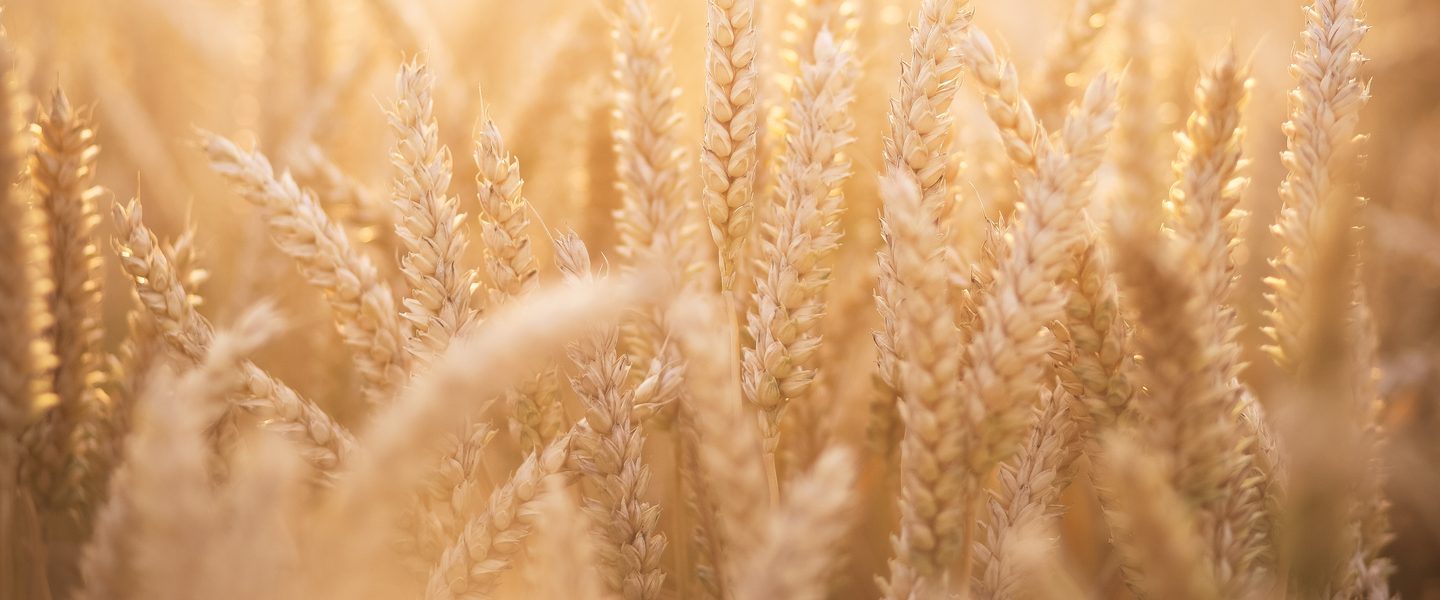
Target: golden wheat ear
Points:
(430, 227)
(364, 309)
(323, 442)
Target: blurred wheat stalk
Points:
(1053, 396)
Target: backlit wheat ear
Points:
(1005, 352)
(471, 566)
(1138, 131)
(1020, 130)
(510, 264)
(1324, 109)
(729, 452)
(438, 304)
(364, 310)
(20, 287)
(68, 446)
(1060, 74)
(1155, 528)
(802, 539)
(608, 453)
(324, 443)
(658, 220)
(728, 157)
(918, 143)
(162, 489)
(369, 217)
(1191, 414)
(933, 488)
(790, 287)
(1028, 495)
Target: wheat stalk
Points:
(20, 286)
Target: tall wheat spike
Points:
(69, 451)
(1060, 73)
(1324, 108)
(934, 485)
(609, 453)
(438, 304)
(801, 244)
(510, 264)
(918, 143)
(728, 154)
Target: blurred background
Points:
(287, 75)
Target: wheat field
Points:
(719, 299)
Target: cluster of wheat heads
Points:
(656, 417)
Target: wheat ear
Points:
(369, 218)
(560, 546)
(449, 495)
(728, 155)
(800, 544)
(364, 310)
(21, 285)
(323, 442)
(161, 503)
(932, 487)
(1005, 352)
(1324, 108)
(608, 453)
(1021, 132)
(510, 264)
(1138, 130)
(651, 163)
(1028, 495)
(24, 355)
(471, 565)
(918, 144)
(66, 446)
(1060, 72)
(727, 445)
(1191, 414)
(1156, 528)
(784, 322)
(429, 225)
